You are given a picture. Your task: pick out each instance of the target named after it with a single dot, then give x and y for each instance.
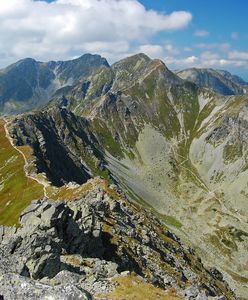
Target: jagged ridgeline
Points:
(29, 84)
(177, 145)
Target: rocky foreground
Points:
(74, 250)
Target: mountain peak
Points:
(92, 58)
(134, 59)
(82, 66)
(25, 62)
(221, 82)
(141, 56)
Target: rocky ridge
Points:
(78, 246)
(64, 147)
(30, 84)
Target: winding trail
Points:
(25, 167)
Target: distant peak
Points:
(89, 55)
(27, 59)
(194, 69)
(93, 58)
(25, 62)
(135, 58)
(141, 56)
(220, 81)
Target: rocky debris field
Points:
(73, 250)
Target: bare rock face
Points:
(14, 286)
(64, 248)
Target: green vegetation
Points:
(134, 288)
(106, 138)
(205, 112)
(232, 152)
(237, 277)
(155, 107)
(102, 78)
(171, 221)
(16, 190)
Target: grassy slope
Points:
(16, 190)
(134, 288)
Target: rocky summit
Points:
(77, 249)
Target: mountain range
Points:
(176, 143)
(29, 84)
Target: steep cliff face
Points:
(178, 148)
(63, 146)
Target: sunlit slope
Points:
(16, 190)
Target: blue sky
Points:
(224, 23)
(183, 33)
(220, 18)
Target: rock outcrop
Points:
(17, 287)
(69, 247)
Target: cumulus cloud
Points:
(158, 51)
(154, 51)
(208, 59)
(185, 62)
(65, 28)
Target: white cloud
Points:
(154, 51)
(65, 27)
(191, 59)
(158, 51)
(201, 33)
(238, 55)
(208, 59)
(186, 62)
